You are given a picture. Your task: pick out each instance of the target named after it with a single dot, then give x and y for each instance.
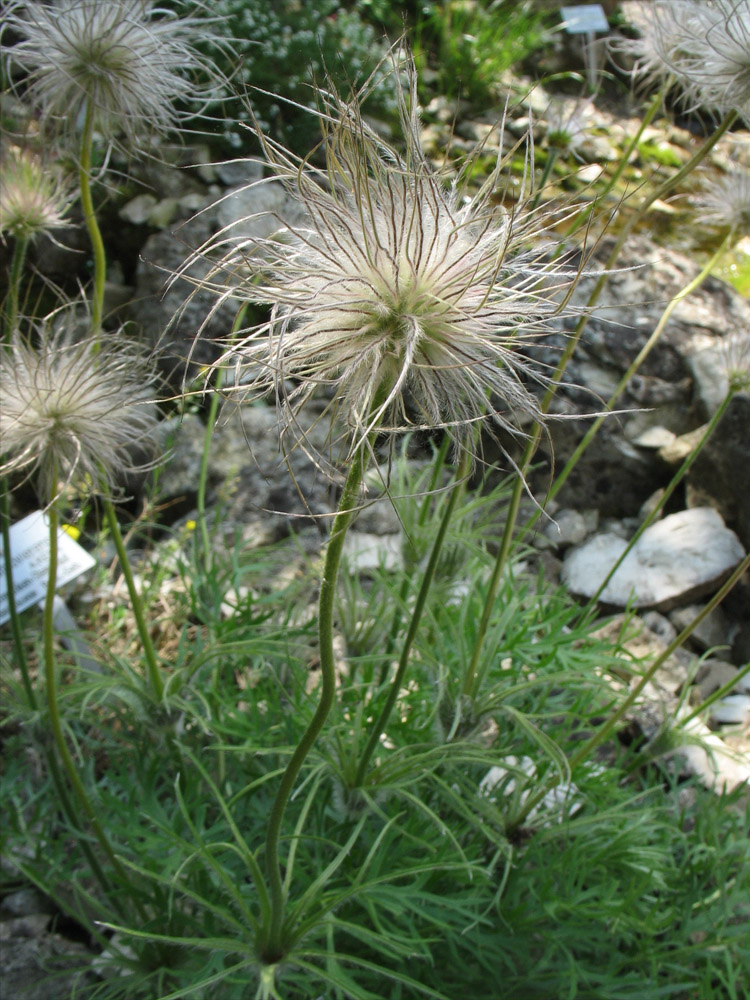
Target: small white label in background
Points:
(29, 548)
(584, 19)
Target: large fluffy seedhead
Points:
(72, 415)
(134, 63)
(33, 196)
(657, 52)
(701, 48)
(717, 58)
(409, 301)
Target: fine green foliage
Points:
(302, 44)
(411, 885)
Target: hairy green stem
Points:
(416, 617)
(273, 946)
(135, 600)
(403, 593)
(622, 163)
(493, 586)
(622, 384)
(608, 728)
(14, 283)
(551, 160)
(54, 712)
(533, 440)
(15, 618)
(89, 217)
(718, 694)
(674, 483)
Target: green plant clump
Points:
(285, 48)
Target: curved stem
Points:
(14, 283)
(622, 384)
(273, 946)
(416, 617)
(676, 480)
(606, 730)
(405, 582)
(664, 189)
(135, 600)
(622, 163)
(54, 712)
(552, 156)
(15, 618)
(493, 586)
(89, 217)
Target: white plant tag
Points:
(29, 547)
(584, 19)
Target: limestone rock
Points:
(674, 562)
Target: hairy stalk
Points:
(10, 318)
(416, 618)
(135, 600)
(551, 160)
(14, 283)
(403, 593)
(674, 483)
(605, 731)
(717, 695)
(54, 713)
(89, 217)
(622, 163)
(622, 384)
(490, 601)
(213, 415)
(15, 618)
(273, 946)
(534, 437)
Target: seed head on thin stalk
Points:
(657, 53)
(134, 62)
(72, 417)
(725, 203)
(409, 301)
(33, 196)
(716, 58)
(701, 47)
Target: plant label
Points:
(584, 19)
(29, 547)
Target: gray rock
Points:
(676, 560)
(568, 528)
(734, 710)
(175, 315)
(365, 552)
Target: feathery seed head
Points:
(725, 203)
(702, 47)
(566, 126)
(409, 300)
(131, 62)
(33, 197)
(658, 50)
(70, 414)
(716, 62)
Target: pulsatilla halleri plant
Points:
(408, 299)
(126, 64)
